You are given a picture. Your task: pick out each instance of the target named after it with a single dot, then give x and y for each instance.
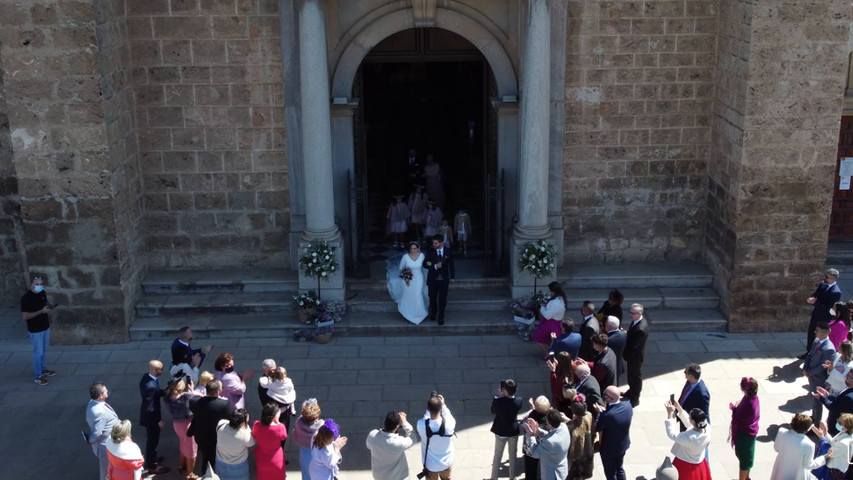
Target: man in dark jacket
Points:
(505, 408)
(823, 299)
(149, 416)
(613, 427)
(635, 351)
(207, 412)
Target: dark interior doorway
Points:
(424, 89)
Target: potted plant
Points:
(323, 325)
(318, 260)
(524, 311)
(538, 259)
(306, 306)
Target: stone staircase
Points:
(678, 296)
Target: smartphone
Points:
(672, 398)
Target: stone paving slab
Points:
(358, 379)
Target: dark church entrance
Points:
(424, 90)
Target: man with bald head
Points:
(149, 415)
(613, 427)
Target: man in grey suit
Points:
(552, 448)
(388, 447)
(101, 417)
(821, 351)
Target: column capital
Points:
(343, 107)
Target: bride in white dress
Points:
(412, 298)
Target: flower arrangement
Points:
(305, 300)
(524, 312)
(538, 259)
(318, 260)
(323, 324)
(406, 275)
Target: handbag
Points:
(209, 474)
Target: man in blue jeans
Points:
(34, 311)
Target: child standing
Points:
(398, 216)
(432, 219)
(462, 227)
(445, 231)
(417, 207)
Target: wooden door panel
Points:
(841, 219)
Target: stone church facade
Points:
(224, 133)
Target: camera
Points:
(433, 394)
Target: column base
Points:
(522, 281)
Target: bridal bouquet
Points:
(406, 275)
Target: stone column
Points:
(343, 150)
(317, 144)
(535, 135)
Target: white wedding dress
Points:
(411, 299)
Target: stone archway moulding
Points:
(384, 26)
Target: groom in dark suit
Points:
(440, 273)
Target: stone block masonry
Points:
(208, 82)
(76, 203)
(639, 103)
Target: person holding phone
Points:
(35, 311)
(505, 408)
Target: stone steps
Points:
(677, 297)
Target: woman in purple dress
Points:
(745, 414)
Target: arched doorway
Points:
(425, 89)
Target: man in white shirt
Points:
(388, 448)
(436, 432)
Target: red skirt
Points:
(692, 471)
(544, 330)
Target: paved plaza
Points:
(358, 379)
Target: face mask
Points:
(839, 427)
(38, 288)
(229, 369)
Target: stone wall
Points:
(639, 93)
(11, 270)
(66, 86)
(780, 77)
(209, 106)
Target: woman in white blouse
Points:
(840, 445)
(551, 316)
(689, 447)
(796, 451)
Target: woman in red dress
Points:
(269, 434)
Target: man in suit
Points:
(101, 417)
(604, 362)
(150, 417)
(207, 412)
(821, 351)
(552, 448)
(837, 403)
(388, 447)
(613, 427)
(440, 273)
(589, 327)
(183, 353)
(616, 338)
(588, 386)
(505, 408)
(824, 297)
(569, 341)
(413, 168)
(635, 351)
(694, 394)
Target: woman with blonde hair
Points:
(124, 456)
(326, 452)
(841, 446)
(538, 410)
(178, 395)
(838, 368)
(303, 433)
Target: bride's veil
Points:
(392, 277)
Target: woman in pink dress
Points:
(268, 433)
(839, 327)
